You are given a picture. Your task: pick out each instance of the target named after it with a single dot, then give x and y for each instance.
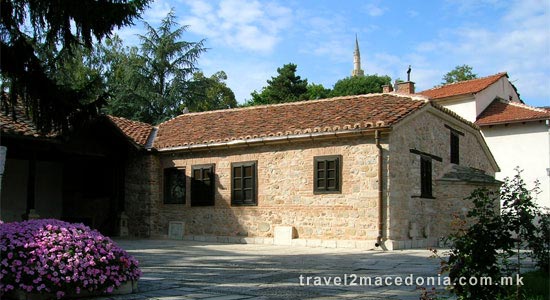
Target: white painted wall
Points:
(525, 145)
(500, 89)
(464, 107)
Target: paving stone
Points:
(207, 270)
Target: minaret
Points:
(357, 60)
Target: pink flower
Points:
(53, 255)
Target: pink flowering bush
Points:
(56, 257)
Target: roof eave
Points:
(276, 140)
(512, 122)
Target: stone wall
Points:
(141, 192)
(285, 193)
(415, 221)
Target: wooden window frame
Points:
(455, 148)
(167, 199)
(454, 144)
(317, 189)
(207, 198)
(240, 189)
(426, 171)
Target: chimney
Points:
(387, 88)
(406, 87)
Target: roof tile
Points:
(326, 115)
(138, 132)
(21, 126)
(502, 111)
(462, 87)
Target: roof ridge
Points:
(500, 74)
(126, 119)
(416, 97)
(522, 105)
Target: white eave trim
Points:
(277, 139)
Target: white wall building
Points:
(517, 134)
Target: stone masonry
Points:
(414, 221)
(285, 193)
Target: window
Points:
(327, 173)
(244, 184)
(426, 172)
(425, 177)
(202, 185)
(455, 149)
(174, 186)
(455, 144)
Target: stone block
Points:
(176, 229)
(199, 238)
(299, 242)
(223, 239)
(313, 243)
(211, 238)
(328, 243)
(345, 244)
(248, 240)
(234, 240)
(284, 235)
(365, 244)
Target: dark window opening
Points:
(244, 184)
(202, 186)
(425, 177)
(174, 186)
(327, 173)
(455, 149)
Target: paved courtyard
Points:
(198, 270)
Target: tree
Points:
(483, 247)
(285, 87)
(459, 73)
(210, 93)
(317, 91)
(359, 85)
(151, 83)
(61, 26)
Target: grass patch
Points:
(536, 285)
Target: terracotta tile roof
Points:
(21, 126)
(138, 132)
(501, 111)
(463, 87)
(326, 115)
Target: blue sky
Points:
(249, 40)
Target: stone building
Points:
(518, 134)
(359, 171)
(386, 169)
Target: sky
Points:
(249, 40)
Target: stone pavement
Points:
(200, 270)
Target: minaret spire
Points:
(357, 60)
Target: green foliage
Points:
(59, 27)
(151, 83)
(285, 87)
(359, 85)
(459, 73)
(485, 248)
(537, 285)
(210, 93)
(317, 91)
